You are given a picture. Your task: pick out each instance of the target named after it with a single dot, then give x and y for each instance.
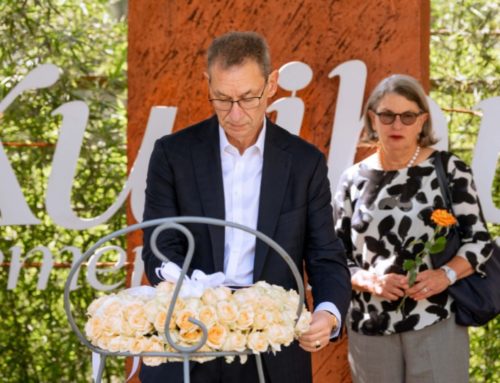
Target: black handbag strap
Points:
(443, 182)
(440, 259)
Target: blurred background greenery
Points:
(88, 40)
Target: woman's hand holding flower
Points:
(427, 284)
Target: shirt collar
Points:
(259, 144)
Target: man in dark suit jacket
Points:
(239, 166)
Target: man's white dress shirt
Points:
(242, 175)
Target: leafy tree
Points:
(465, 69)
(90, 47)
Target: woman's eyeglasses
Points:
(407, 118)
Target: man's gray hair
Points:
(234, 48)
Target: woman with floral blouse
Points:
(401, 331)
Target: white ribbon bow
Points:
(191, 287)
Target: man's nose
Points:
(236, 111)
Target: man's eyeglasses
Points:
(407, 118)
(244, 103)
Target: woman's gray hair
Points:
(234, 48)
(409, 88)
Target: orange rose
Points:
(442, 218)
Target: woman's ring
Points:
(317, 344)
(425, 289)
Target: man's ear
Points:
(273, 83)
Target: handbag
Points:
(476, 298)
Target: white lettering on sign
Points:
(290, 112)
(294, 76)
(17, 261)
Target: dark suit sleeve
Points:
(325, 259)
(161, 202)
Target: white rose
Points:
(96, 305)
(116, 324)
(223, 293)
(154, 344)
(152, 308)
(138, 344)
(257, 342)
(278, 335)
(94, 328)
(135, 315)
(262, 319)
(209, 297)
(245, 317)
(112, 306)
(207, 315)
(103, 342)
(203, 359)
(193, 304)
(165, 288)
(182, 319)
(235, 341)
(245, 296)
(227, 312)
(303, 323)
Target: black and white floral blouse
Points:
(378, 216)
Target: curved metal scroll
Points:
(184, 353)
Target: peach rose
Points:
(207, 315)
(216, 336)
(161, 318)
(190, 337)
(245, 317)
(182, 320)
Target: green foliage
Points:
(465, 69)
(90, 47)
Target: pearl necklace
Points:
(412, 160)
(408, 165)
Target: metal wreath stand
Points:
(183, 352)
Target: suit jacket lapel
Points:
(208, 170)
(275, 173)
